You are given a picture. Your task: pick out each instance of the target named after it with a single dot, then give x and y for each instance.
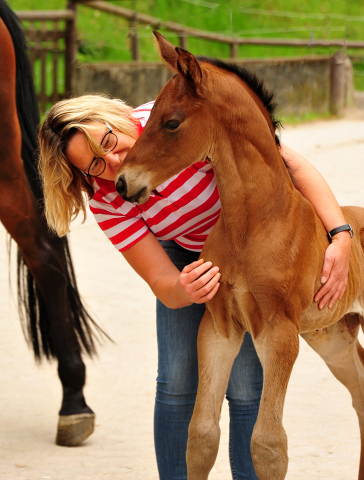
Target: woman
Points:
(83, 142)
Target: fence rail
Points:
(184, 32)
(36, 15)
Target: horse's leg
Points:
(21, 218)
(76, 421)
(277, 346)
(216, 354)
(339, 347)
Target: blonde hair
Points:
(66, 188)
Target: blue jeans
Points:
(177, 387)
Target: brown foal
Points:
(269, 245)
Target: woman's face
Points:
(80, 155)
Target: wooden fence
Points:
(184, 32)
(51, 37)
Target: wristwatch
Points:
(342, 228)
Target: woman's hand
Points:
(199, 281)
(335, 270)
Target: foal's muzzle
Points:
(122, 189)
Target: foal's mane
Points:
(255, 83)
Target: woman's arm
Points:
(197, 283)
(314, 188)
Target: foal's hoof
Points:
(74, 429)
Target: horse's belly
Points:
(314, 319)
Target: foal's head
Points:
(194, 118)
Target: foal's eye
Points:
(172, 124)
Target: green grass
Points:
(358, 65)
(303, 118)
(104, 37)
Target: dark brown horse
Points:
(269, 245)
(54, 320)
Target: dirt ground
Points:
(321, 425)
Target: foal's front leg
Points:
(216, 354)
(277, 347)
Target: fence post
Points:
(182, 40)
(70, 47)
(233, 50)
(133, 34)
(337, 83)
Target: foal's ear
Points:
(167, 50)
(180, 60)
(189, 67)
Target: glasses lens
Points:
(98, 164)
(97, 167)
(109, 142)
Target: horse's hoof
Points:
(74, 429)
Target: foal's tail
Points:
(35, 319)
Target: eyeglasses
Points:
(98, 164)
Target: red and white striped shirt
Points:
(183, 209)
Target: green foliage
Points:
(105, 37)
(358, 64)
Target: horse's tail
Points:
(32, 310)
(34, 316)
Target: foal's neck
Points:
(254, 185)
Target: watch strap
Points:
(342, 228)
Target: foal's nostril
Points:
(121, 186)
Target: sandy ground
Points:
(319, 420)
